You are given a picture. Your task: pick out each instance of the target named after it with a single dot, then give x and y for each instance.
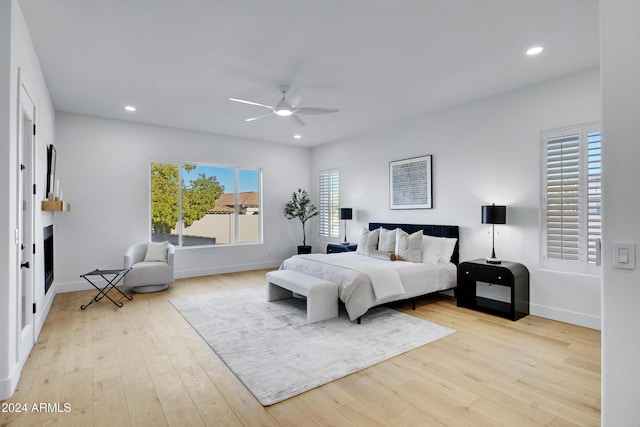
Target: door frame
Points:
(25, 211)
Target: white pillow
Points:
(431, 249)
(437, 249)
(368, 241)
(408, 247)
(156, 251)
(387, 241)
(447, 248)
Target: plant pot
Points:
(304, 250)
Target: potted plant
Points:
(300, 207)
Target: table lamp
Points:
(345, 214)
(494, 215)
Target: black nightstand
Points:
(510, 274)
(333, 248)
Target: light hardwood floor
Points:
(143, 365)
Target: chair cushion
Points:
(156, 251)
(149, 273)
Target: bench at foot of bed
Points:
(322, 296)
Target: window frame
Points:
(586, 263)
(329, 209)
(180, 225)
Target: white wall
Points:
(103, 167)
(25, 58)
(17, 53)
(620, 59)
(484, 152)
(7, 254)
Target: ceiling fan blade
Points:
(294, 96)
(250, 119)
(251, 103)
(316, 110)
(298, 120)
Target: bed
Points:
(368, 279)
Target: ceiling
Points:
(379, 61)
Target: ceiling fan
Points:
(287, 106)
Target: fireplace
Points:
(48, 257)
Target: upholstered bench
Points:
(322, 296)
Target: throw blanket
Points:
(384, 281)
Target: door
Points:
(25, 233)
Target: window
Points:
(330, 203)
(572, 161)
(195, 205)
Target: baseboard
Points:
(8, 385)
(179, 274)
(183, 274)
(43, 311)
(574, 318)
(72, 287)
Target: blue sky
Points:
(248, 180)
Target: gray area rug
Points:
(271, 348)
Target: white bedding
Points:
(356, 289)
(385, 281)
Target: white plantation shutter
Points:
(329, 203)
(572, 204)
(563, 197)
(594, 192)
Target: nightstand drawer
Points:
(498, 276)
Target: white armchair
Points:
(151, 266)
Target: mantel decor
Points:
(410, 183)
(51, 171)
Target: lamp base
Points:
(494, 260)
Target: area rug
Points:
(276, 354)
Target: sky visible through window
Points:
(247, 179)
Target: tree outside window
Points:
(195, 205)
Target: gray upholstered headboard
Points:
(431, 230)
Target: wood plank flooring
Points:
(143, 365)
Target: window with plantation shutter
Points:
(594, 192)
(572, 161)
(563, 165)
(329, 203)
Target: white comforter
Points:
(354, 272)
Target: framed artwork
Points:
(51, 169)
(410, 183)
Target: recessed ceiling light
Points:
(534, 50)
(296, 136)
(130, 108)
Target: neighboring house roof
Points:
(225, 204)
(221, 209)
(249, 199)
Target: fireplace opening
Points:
(48, 257)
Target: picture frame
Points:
(51, 170)
(411, 183)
